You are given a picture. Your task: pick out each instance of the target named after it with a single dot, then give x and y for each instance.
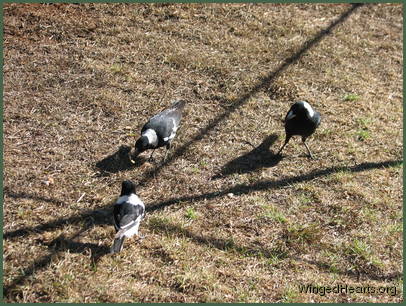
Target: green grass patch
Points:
(271, 212)
(351, 97)
(190, 213)
(290, 296)
(363, 251)
(363, 135)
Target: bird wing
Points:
(116, 216)
(175, 110)
(165, 125)
(126, 214)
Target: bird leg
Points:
(150, 157)
(168, 146)
(166, 153)
(308, 150)
(286, 142)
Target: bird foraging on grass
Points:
(301, 120)
(160, 130)
(128, 212)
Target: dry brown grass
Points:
(224, 224)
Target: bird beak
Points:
(133, 156)
(290, 115)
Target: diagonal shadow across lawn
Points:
(262, 251)
(273, 184)
(261, 84)
(99, 216)
(57, 246)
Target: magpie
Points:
(160, 130)
(128, 212)
(301, 120)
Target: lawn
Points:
(227, 220)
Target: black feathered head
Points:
(127, 188)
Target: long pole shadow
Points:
(272, 184)
(100, 215)
(263, 83)
(203, 132)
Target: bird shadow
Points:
(119, 161)
(259, 157)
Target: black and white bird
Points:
(160, 130)
(128, 212)
(301, 120)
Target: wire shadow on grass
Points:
(118, 161)
(100, 216)
(57, 246)
(259, 157)
(103, 214)
(273, 184)
(24, 195)
(62, 244)
(367, 274)
(264, 82)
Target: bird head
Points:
(301, 108)
(140, 146)
(127, 188)
(305, 107)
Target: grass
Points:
(363, 132)
(190, 213)
(274, 214)
(363, 135)
(363, 255)
(80, 80)
(351, 97)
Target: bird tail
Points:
(117, 245)
(180, 104)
